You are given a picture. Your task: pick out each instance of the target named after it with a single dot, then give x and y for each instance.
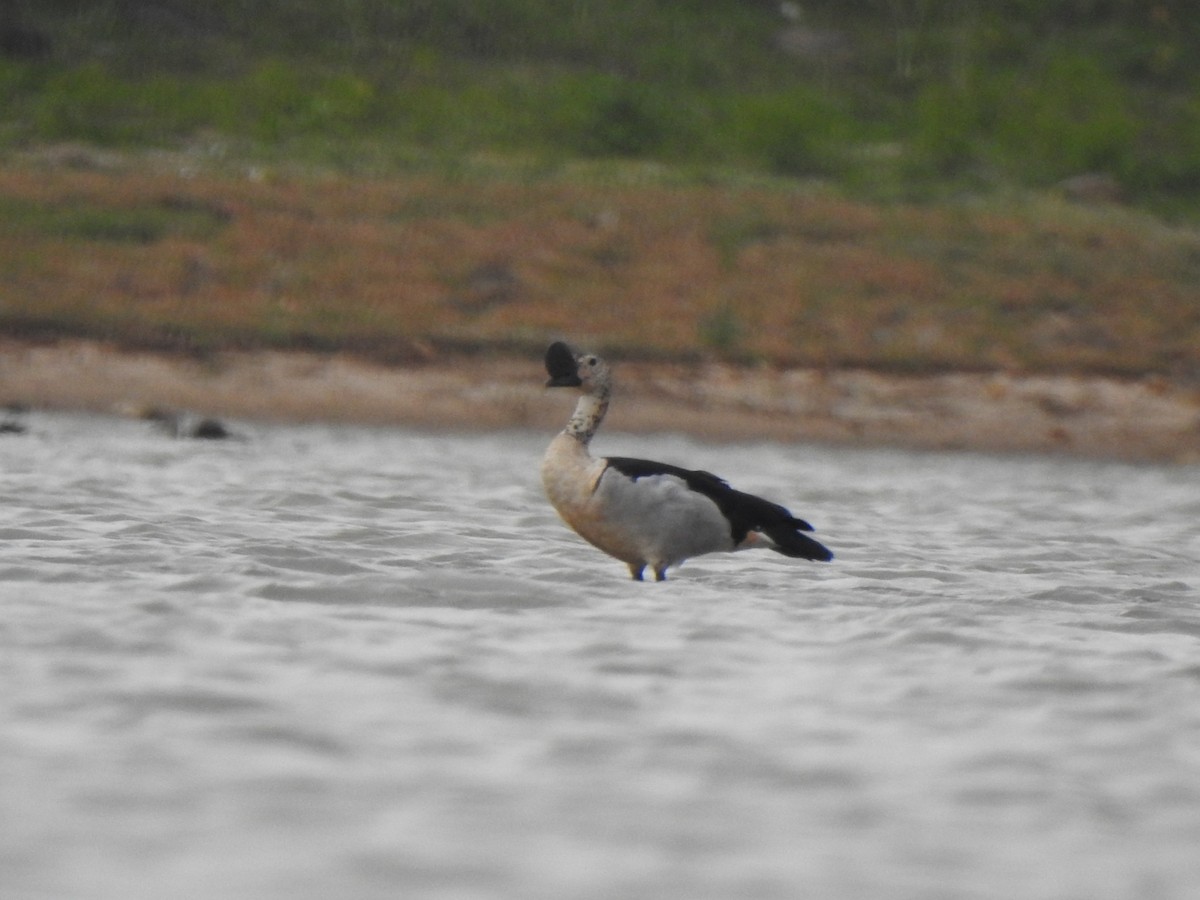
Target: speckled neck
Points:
(589, 413)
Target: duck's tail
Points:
(790, 540)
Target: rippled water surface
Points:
(340, 662)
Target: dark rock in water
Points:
(177, 425)
(210, 430)
(10, 424)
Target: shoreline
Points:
(1145, 420)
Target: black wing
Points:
(745, 512)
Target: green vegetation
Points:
(891, 99)
(143, 224)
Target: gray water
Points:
(357, 663)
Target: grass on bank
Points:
(776, 272)
(888, 99)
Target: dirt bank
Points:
(1148, 419)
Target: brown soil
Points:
(1144, 420)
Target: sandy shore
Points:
(1146, 420)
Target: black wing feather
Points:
(745, 512)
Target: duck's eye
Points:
(591, 360)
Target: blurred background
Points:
(328, 659)
(897, 184)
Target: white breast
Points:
(656, 520)
(569, 473)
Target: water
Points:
(340, 662)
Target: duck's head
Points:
(570, 369)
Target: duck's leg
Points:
(635, 569)
(660, 573)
